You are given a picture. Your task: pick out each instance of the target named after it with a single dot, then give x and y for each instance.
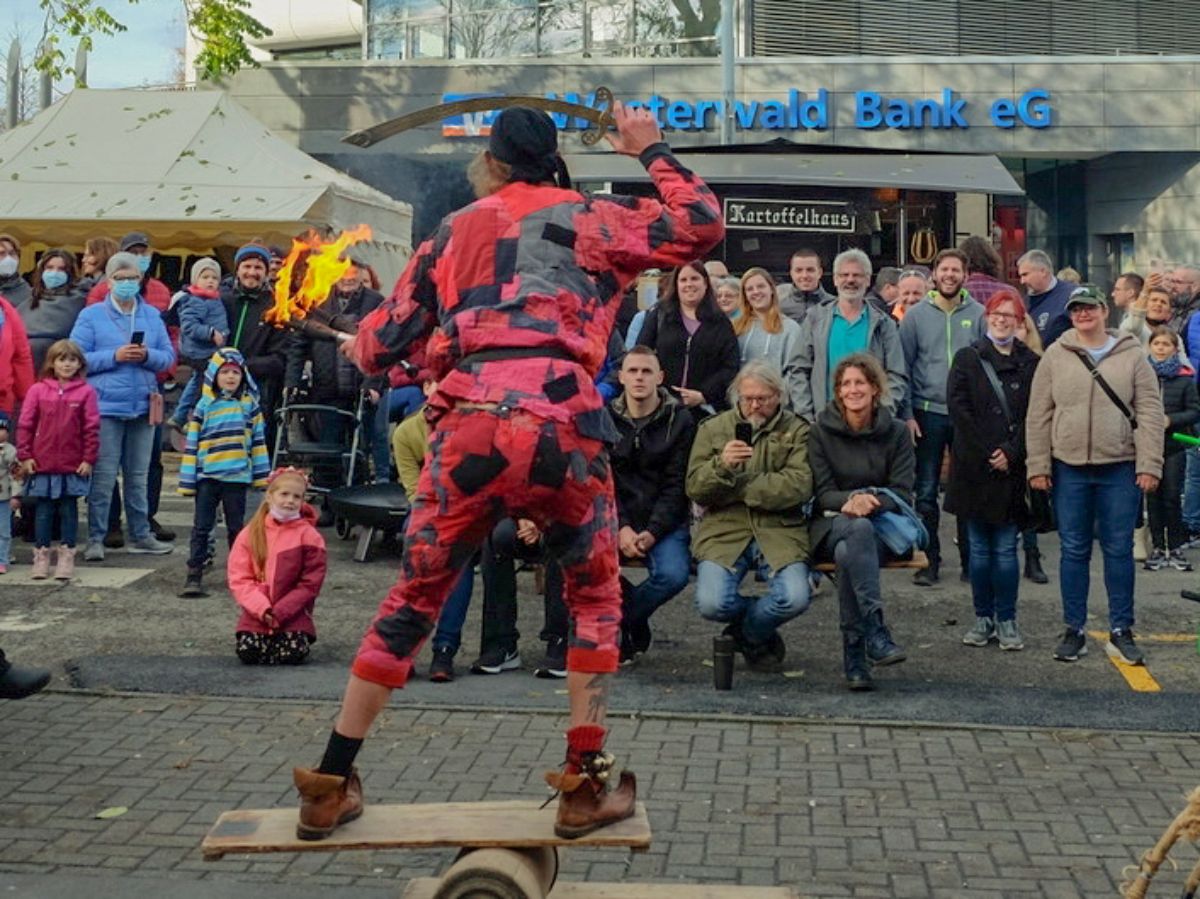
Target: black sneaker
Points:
(495, 661)
(1073, 646)
(554, 663)
(114, 539)
(765, 657)
(926, 577)
(1121, 647)
(193, 587)
(441, 669)
(161, 533)
(640, 636)
(628, 654)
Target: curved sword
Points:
(600, 116)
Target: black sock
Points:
(339, 755)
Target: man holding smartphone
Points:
(749, 470)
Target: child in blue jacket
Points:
(203, 329)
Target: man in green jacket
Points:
(752, 492)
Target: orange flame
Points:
(322, 266)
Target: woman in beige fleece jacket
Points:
(1098, 463)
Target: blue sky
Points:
(145, 54)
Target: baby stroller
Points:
(328, 439)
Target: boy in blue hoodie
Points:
(203, 329)
(225, 455)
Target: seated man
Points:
(749, 469)
(649, 464)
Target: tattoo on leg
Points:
(597, 694)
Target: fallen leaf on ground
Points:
(114, 811)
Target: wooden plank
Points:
(426, 888)
(919, 560)
(469, 824)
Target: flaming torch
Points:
(317, 265)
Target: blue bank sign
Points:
(798, 111)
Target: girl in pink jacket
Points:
(276, 569)
(58, 441)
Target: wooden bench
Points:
(918, 560)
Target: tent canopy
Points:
(191, 168)
(942, 172)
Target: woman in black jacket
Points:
(694, 341)
(855, 447)
(987, 472)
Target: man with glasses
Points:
(932, 333)
(749, 469)
(1185, 295)
(834, 330)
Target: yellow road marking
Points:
(1137, 676)
(1149, 638)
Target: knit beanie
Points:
(204, 265)
(252, 251)
(527, 140)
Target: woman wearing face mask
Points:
(125, 344)
(987, 394)
(694, 341)
(13, 287)
(764, 333)
(54, 303)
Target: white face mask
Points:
(8, 266)
(283, 514)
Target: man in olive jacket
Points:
(752, 493)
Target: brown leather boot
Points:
(326, 801)
(586, 804)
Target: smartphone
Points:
(138, 338)
(743, 431)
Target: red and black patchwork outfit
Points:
(513, 300)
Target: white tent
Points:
(191, 168)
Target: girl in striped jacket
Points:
(225, 455)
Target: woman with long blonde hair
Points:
(763, 332)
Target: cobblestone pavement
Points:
(836, 809)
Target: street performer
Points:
(513, 299)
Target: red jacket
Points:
(59, 426)
(540, 271)
(16, 360)
(295, 572)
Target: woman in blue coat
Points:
(125, 343)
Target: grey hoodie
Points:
(930, 339)
(782, 350)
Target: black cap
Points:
(134, 239)
(527, 140)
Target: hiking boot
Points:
(1008, 635)
(161, 533)
(554, 663)
(766, 657)
(1073, 646)
(17, 683)
(1176, 560)
(194, 585)
(495, 661)
(64, 564)
(585, 803)
(854, 663)
(94, 552)
(41, 563)
(148, 546)
(326, 802)
(1156, 561)
(927, 576)
(881, 648)
(983, 633)
(441, 669)
(114, 539)
(1033, 567)
(1121, 647)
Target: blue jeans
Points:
(936, 433)
(188, 398)
(670, 566)
(1100, 500)
(454, 612)
(65, 510)
(126, 445)
(1191, 491)
(718, 597)
(5, 532)
(995, 573)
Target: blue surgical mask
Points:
(126, 290)
(144, 263)
(8, 266)
(54, 279)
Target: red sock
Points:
(581, 739)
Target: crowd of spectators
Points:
(763, 428)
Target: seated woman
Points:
(694, 341)
(763, 332)
(855, 447)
